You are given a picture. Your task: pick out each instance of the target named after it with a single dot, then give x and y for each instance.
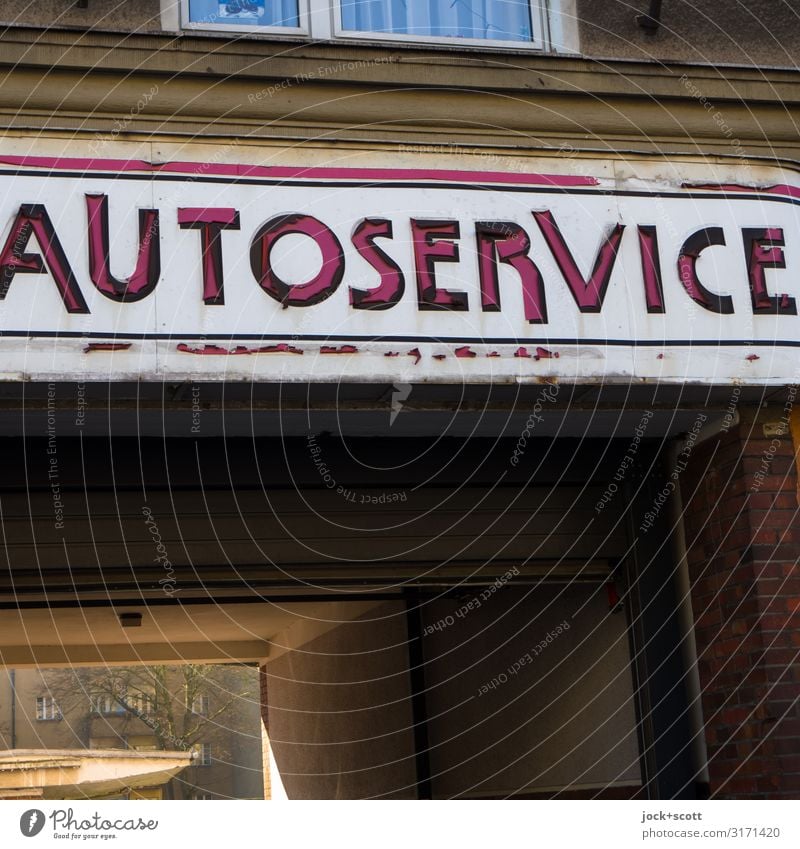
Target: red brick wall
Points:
(743, 539)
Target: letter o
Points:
(303, 294)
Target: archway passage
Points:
(427, 627)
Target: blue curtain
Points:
(505, 20)
(265, 13)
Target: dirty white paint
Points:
(173, 334)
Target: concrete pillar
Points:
(337, 708)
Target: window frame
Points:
(303, 15)
(54, 711)
(200, 705)
(321, 20)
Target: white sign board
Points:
(122, 269)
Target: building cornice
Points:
(68, 80)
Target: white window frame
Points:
(203, 754)
(302, 14)
(321, 20)
(47, 709)
(200, 705)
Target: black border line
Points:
(411, 340)
(398, 183)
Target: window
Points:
(46, 708)
(513, 23)
(203, 751)
(200, 706)
(109, 706)
(105, 705)
(245, 15)
(488, 20)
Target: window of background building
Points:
(109, 706)
(517, 23)
(200, 705)
(47, 708)
(203, 754)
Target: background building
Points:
(145, 709)
(497, 481)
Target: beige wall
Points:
(756, 32)
(339, 713)
(141, 16)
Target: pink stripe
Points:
(290, 173)
(780, 189)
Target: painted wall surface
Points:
(756, 32)
(529, 692)
(579, 270)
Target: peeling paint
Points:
(544, 354)
(414, 352)
(751, 358)
(465, 352)
(731, 187)
(342, 349)
(522, 353)
(239, 350)
(106, 346)
(440, 356)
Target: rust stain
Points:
(392, 354)
(414, 352)
(660, 357)
(465, 352)
(342, 349)
(552, 381)
(440, 356)
(107, 346)
(493, 354)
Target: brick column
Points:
(743, 540)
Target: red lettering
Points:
(763, 250)
(322, 285)
(651, 269)
(431, 245)
(506, 242)
(148, 262)
(588, 294)
(33, 220)
(210, 223)
(393, 282)
(687, 271)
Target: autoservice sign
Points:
(121, 268)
